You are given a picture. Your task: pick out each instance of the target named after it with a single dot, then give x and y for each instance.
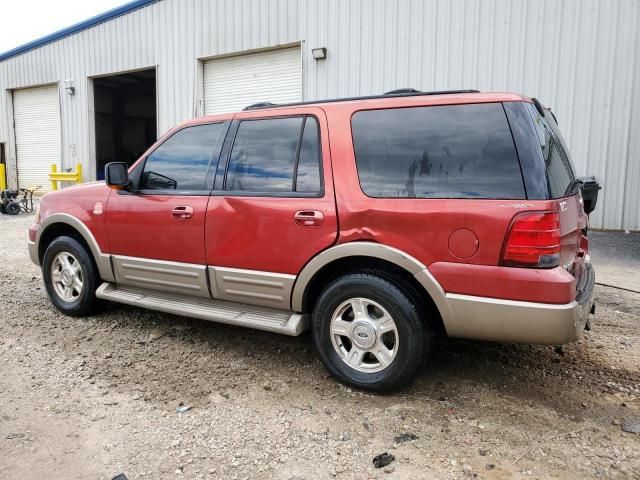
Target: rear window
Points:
(453, 151)
(557, 161)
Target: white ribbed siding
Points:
(36, 112)
(578, 56)
(230, 83)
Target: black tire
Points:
(86, 301)
(12, 208)
(413, 332)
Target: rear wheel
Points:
(369, 332)
(70, 277)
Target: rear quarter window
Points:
(453, 151)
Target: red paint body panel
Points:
(260, 233)
(420, 227)
(554, 285)
(572, 221)
(143, 226)
(79, 201)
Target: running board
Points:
(261, 318)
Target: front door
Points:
(273, 206)
(156, 230)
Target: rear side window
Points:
(453, 151)
(275, 155)
(181, 163)
(308, 173)
(557, 162)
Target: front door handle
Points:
(308, 218)
(182, 212)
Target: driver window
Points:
(182, 161)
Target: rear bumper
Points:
(521, 322)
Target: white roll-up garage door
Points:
(232, 83)
(36, 112)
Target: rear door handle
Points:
(308, 218)
(182, 212)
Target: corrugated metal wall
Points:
(578, 56)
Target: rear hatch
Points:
(564, 190)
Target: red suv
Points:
(375, 221)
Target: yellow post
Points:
(54, 183)
(56, 177)
(3, 178)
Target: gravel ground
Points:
(618, 258)
(94, 397)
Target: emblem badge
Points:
(97, 208)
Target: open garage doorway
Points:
(125, 116)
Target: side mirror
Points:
(116, 175)
(589, 188)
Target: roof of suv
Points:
(393, 94)
(401, 98)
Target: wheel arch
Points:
(367, 256)
(60, 224)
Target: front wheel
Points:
(369, 332)
(70, 277)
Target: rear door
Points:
(273, 205)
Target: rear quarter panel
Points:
(422, 228)
(459, 240)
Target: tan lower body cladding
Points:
(230, 284)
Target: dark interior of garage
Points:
(125, 115)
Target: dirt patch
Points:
(93, 397)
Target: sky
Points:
(27, 20)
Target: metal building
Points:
(106, 88)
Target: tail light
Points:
(533, 241)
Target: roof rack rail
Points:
(401, 92)
(259, 105)
(413, 91)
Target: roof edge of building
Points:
(78, 27)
